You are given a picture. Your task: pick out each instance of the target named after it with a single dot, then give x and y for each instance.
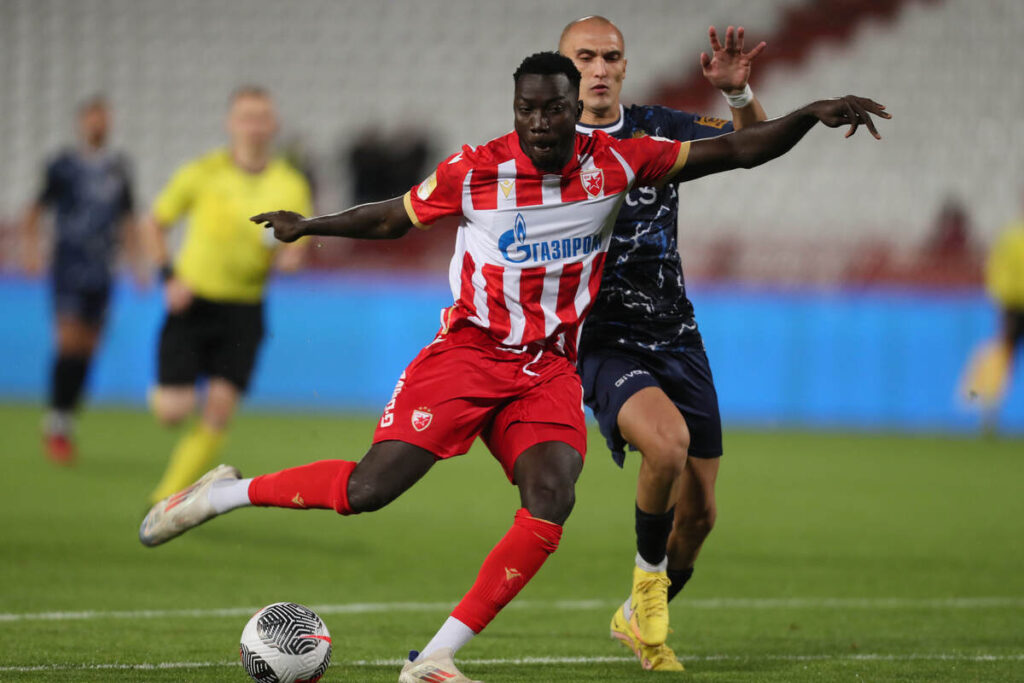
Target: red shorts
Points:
(464, 385)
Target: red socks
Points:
(322, 484)
(509, 567)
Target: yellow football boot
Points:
(652, 658)
(649, 606)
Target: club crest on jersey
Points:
(426, 188)
(593, 181)
(421, 418)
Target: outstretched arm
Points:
(767, 140)
(385, 220)
(728, 69)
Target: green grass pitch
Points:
(836, 557)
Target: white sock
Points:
(648, 567)
(453, 634)
(58, 423)
(228, 494)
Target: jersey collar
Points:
(607, 127)
(567, 170)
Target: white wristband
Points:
(742, 99)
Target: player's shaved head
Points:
(595, 46)
(94, 120)
(593, 21)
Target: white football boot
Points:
(437, 668)
(179, 512)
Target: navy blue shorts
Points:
(611, 375)
(86, 305)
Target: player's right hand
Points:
(849, 110)
(177, 295)
(287, 225)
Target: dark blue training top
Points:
(89, 195)
(642, 301)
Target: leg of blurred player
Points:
(988, 372)
(171, 405)
(76, 342)
(199, 446)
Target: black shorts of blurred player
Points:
(1013, 327)
(213, 340)
(82, 307)
(630, 389)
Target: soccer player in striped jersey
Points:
(645, 373)
(537, 207)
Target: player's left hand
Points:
(849, 110)
(728, 67)
(287, 225)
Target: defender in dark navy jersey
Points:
(645, 373)
(88, 189)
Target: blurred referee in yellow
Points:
(992, 364)
(214, 288)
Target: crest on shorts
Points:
(421, 418)
(593, 181)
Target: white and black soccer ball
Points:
(285, 643)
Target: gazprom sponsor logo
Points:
(516, 249)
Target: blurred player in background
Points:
(89, 190)
(992, 364)
(214, 288)
(537, 209)
(645, 373)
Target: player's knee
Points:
(170, 414)
(665, 451)
(171, 408)
(366, 499)
(549, 497)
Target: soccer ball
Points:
(285, 643)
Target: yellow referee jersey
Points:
(226, 257)
(1004, 272)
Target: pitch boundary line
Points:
(528, 661)
(557, 605)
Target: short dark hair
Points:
(549, 64)
(248, 90)
(91, 103)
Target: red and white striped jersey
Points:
(531, 245)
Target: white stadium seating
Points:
(948, 71)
